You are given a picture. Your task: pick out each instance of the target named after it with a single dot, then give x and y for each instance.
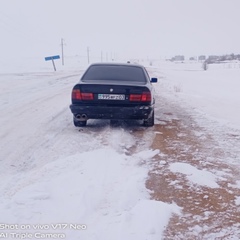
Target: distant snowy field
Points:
(214, 93)
(54, 174)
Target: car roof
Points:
(117, 64)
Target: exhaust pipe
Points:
(80, 117)
(84, 116)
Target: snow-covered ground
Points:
(211, 97)
(214, 92)
(90, 183)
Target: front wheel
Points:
(150, 121)
(79, 123)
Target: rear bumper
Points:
(107, 112)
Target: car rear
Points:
(111, 91)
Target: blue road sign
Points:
(52, 58)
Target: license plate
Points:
(111, 96)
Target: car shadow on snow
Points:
(96, 124)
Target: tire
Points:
(150, 121)
(79, 123)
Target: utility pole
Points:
(62, 51)
(88, 54)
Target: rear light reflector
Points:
(78, 95)
(144, 97)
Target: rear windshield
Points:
(115, 73)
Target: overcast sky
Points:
(132, 28)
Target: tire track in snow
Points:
(29, 118)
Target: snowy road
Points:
(52, 172)
(34, 116)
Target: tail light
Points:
(78, 95)
(87, 96)
(144, 97)
(135, 97)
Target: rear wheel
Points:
(150, 121)
(79, 123)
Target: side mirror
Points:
(154, 80)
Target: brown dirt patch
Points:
(207, 213)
